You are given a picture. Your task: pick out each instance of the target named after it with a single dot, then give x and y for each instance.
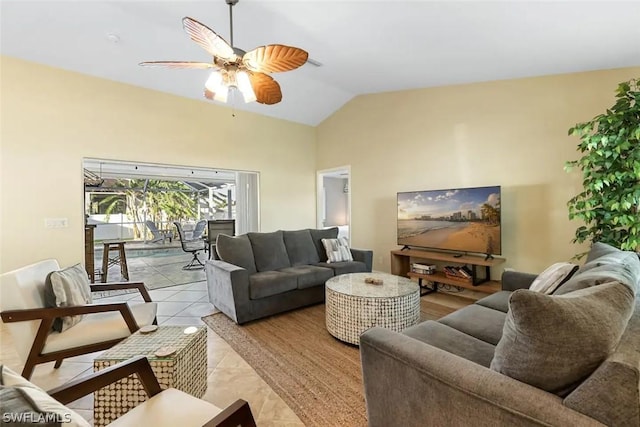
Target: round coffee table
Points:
(353, 306)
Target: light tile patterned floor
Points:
(229, 376)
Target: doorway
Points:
(334, 199)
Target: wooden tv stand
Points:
(401, 266)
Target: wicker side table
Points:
(353, 306)
(185, 370)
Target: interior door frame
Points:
(320, 196)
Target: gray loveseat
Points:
(260, 274)
(439, 373)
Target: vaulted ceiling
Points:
(363, 46)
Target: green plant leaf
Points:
(609, 144)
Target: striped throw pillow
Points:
(65, 288)
(337, 249)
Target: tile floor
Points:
(229, 376)
(156, 268)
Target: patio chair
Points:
(169, 407)
(198, 230)
(158, 236)
(215, 227)
(22, 305)
(192, 246)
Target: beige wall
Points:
(509, 133)
(51, 119)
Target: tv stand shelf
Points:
(401, 266)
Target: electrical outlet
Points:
(56, 222)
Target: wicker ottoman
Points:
(353, 306)
(185, 370)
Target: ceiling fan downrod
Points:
(231, 3)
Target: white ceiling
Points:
(364, 46)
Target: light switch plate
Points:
(56, 222)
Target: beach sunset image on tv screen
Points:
(464, 219)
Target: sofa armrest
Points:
(363, 255)
(411, 383)
(513, 280)
(228, 287)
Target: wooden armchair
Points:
(168, 407)
(29, 321)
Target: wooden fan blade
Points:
(208, 39)
(274, 58)
(266, 89)
(179, 64)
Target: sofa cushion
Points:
(269, 250)
(300, 247)
(318, 235)
(599, 249)
(337, 250)
(268, 283)
(554, 342)
(65, 288)
(345, 267)
(480, 322)
(236, 251)
(309, 275)
(452, 341)
(553, 276)
(614, 265)
(498, 301)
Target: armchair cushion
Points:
(64, 288)
(100, 327)
(160, 410)
(31, 399)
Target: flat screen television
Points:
(457, 219)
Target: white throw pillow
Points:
(555, 275)
(337, 249)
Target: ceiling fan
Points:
(234, 68)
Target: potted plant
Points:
(609, 204)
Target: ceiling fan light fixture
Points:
(214, 81)
(244, 85)
(222, 95)
(217, 85)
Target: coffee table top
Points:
(138, 343)
(353, 284)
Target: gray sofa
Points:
(448, 372)
(260, 274)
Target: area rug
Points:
(318, 376)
